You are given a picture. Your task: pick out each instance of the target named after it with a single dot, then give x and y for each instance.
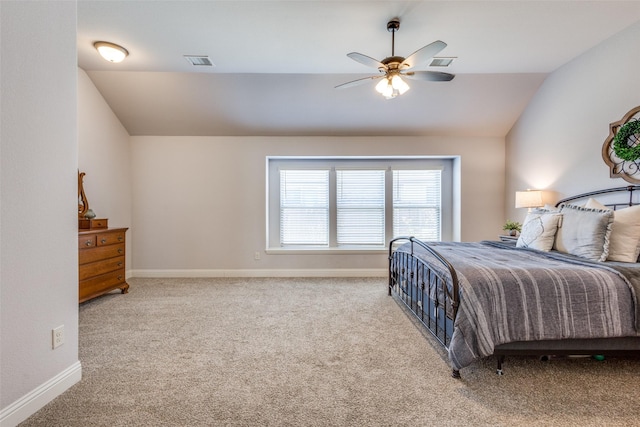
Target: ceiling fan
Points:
(393, 67)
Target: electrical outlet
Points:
(57, 336)
(256, 256)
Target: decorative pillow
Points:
(584, 232)
(624, 242)
(594, 204)
(539, 230)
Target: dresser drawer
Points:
(99, 284)
(87, 241)
(100, 253)
(92, 224)
(101, 267)
(111, 238)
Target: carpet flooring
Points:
(308, 352)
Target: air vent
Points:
(441, 62)
(199, 60)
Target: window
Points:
(360, 207)
(357, 203)
(304, 207)
(417, 203)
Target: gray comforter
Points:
(509, 294)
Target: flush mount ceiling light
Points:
(111, 51)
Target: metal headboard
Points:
(629, 188)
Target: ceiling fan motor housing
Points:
(393, 62)
(393, 25)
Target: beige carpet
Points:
(308, 352)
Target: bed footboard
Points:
(431, 295)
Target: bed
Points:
(570, 285)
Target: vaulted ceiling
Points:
(276, 63)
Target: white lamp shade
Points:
(382, 85)
(110, 51)
(399, 84)
(529, 199)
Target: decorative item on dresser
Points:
(101, 262)
(86, 216)
(83, 203)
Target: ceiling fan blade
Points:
(358, 82)
(432, 76)
(423, 54)
(366, 60)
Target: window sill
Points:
(327, 251)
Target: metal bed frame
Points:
(433, 298)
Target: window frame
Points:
(274, 163)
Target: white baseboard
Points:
(36, 399)
(339, 272)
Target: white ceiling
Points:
(277, 62)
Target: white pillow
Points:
(584, 232)
(624, 241)
(539, 230)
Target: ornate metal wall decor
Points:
(625, 140)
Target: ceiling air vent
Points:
(441, 62)
(199, 60)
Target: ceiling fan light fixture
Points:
(111, 51)
(385, 88)
(390, 87)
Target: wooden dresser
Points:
(102, 262)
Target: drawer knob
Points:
(120, 250)
(88, 243)
(120, 238)
(119, 264)
(119, 277)
(103, 241)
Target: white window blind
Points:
(360, 200)
(304, 207)
(417, 204)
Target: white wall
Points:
(557, 142)
(38, 219)
(104, 155)
(199, 202)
